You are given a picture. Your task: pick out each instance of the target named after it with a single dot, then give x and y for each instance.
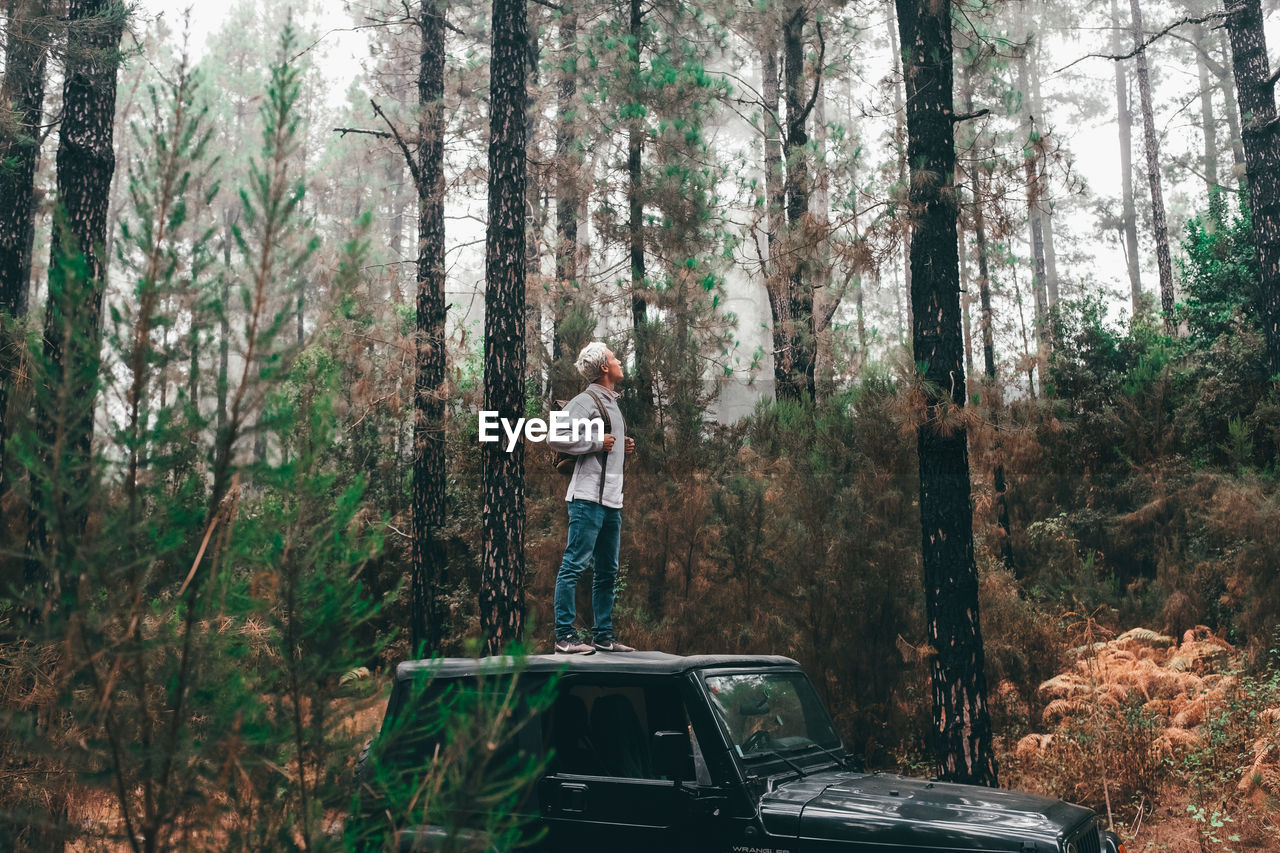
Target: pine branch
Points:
(404, 149)
(381, 134)
(967, 116)
(1212, 16)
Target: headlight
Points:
(1071, 847)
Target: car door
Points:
(606, 787)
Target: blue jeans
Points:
(594, 530)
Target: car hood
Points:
(885, 809)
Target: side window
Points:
(626, 732)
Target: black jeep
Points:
(656, 752)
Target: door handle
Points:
(573, 797)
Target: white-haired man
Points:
(595, 504)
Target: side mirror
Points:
(672, 755)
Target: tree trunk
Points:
(1046, 214)
(568, 169)
(993, 395)
(534, 198)
(800, 382)
(26, 49)
(643, 383)
(1164, 262)
(428, 571)
(900, 143)
(776, 278)
(77, 277)
(1207, 128)
(1031, 172)
(1260, 135)
(820, 210)
(961, 720)
(1129, 213)
(1230, 105)
(964, 301)
(502, 490)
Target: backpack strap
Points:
(604, 454)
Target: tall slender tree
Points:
(22, 91)
(1260, 135)
(77, 269)
(900, 146)
(502, 490)
(800, 99)
(961, 718)
(1159, 226)
(568, 181)
(1128, 211)
(1208, 128)
(643, 383)
(428, 569)
(777, 282)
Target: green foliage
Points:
(1219, 271)
(447, 757)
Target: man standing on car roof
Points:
(595, 503)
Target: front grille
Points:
(1087, 840)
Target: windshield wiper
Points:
(842, 760)
(780, 756)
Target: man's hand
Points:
(631, 445)
(608, 442)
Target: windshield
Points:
(770, 712)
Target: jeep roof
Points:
(630, 663)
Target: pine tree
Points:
(502, 524)
(22, 90)
(427, 574)
(1129, 215)
(1164, 262)
(1260, 133)
(77, 272)
(961, 719)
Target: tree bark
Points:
(428, 570)
(1164, 262)
(825, 302)
(1046, 214)
(900, 143)
(1231, 106)
(1129, 213)
(800, 382)
(1260, 135)
(961, 719)
(502, 491)
(643, 383)
(998, 484)
(1031, 173)
(77, 276)
(567, 173)
(22, 90)
(969, 372)
(776, 278)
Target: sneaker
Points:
(573, 646)
(612, 646)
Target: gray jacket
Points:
(585, 483)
